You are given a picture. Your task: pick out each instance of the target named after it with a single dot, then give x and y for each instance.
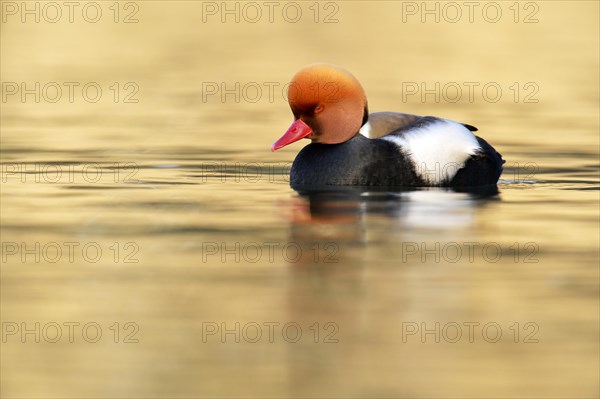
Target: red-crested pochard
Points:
(352, 147)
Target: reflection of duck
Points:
(392, 149)
(341, 214)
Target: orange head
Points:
(328, 103)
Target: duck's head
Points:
(328, 103)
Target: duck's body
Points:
(383, 149)
(361, 161)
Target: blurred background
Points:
(152, 247)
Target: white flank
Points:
(365, 130)
(438, 150)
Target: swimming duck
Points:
(351, 147)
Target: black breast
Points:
(357, 162)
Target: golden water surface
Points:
(152, 247)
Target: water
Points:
(167, 226)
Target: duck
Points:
(350, 147)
